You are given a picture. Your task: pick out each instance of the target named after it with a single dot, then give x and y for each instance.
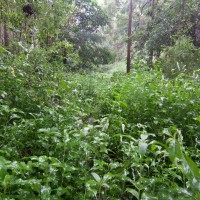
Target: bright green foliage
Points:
(72, 136)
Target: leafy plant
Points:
(130, 137)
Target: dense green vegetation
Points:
(131, 137)
(56, 32)
(74, 126)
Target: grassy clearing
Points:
(73, 136)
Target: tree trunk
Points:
(129, 35)
(182, 9)
(150, 51)
(5, 29)
(150, 58)
(6, 35)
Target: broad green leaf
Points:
(174, 151)
(108, 176)
(133, 192)
(192, 166)
(7, 180)
(96, 176)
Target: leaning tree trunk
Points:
(129, 37)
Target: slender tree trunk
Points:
(48, 39)
(5, 30)
(1, 33)
(6, 35)
(150, 58)
(129, 35)
(183, 9)
(150, 52)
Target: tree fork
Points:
(129, 37)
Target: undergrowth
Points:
(73, 136)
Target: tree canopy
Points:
(65, 30)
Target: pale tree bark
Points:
(128, 68)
